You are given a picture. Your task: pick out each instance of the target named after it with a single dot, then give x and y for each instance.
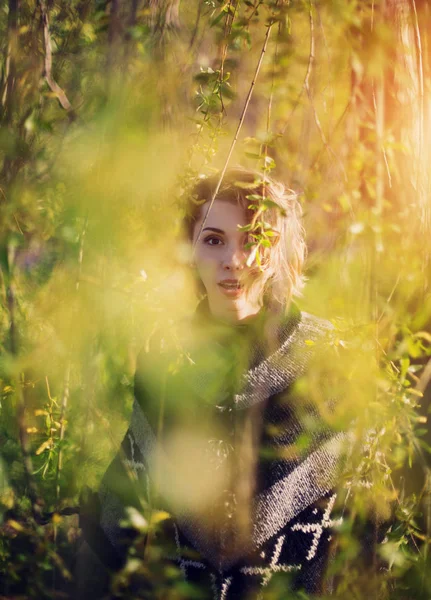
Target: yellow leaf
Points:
(44, 446)
(414, 392)
(7, 498)
(423, 335)
(32, 429)
(39, 412)
(56, 519)
(15, 525)
(159, 516)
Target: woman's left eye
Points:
(213, 241)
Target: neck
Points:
(237, 315)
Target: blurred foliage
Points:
(109, 110)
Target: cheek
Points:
(206, 265)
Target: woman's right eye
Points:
(213, 241)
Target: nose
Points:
(234, 259)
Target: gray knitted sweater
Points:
(270, 515)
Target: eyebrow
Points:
(213, 229)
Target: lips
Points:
(230, 283)
(231, 287)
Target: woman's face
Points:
(220, 258)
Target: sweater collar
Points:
(267, 326)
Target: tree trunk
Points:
(114, 35)
(10, 63)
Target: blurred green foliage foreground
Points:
(108, 110)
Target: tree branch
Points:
(133, 11)
(223, 55)
(307, 88)
(196, 27)
(19, 384)
(8, 81)
(421, 83)
(66, 383)
(55, 88)
(238, 129)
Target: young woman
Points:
(222, 439)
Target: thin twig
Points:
(81, 254)
(306, 83)
(238, 129)
(196, 27)
(378, 95)
(64, 401)
(17, 224)
(312, 58)
(389, 298)
(264, 149)
(310, 64)
(421, 92)
(303, 87)
(336, 126)
(55, 88)
(75, 32)
(253, 12)
(227, 30)
(66, 384)
(271, 95)
(20, 386)
(306, 87)
(113, 34)
(228, 24)
(397, 498)
(133, 11)
(425, 378)
(9, 71)
(328, 55)
(388, 171)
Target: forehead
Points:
(224, 215)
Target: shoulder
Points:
(310, 342)
(309, 331)
(315, 326)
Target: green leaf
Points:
(424, 445)
(268, 203)
(258, 258)
(255, 197)
(217, 19)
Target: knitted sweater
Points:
(251, 499)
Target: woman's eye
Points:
(213, 241)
